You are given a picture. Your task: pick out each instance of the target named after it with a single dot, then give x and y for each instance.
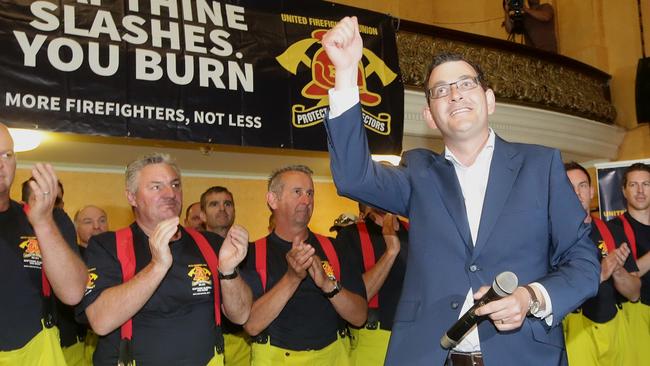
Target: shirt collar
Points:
(489, 145)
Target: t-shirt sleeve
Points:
(104, 270)
(249, 273)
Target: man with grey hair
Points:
(304, 286)
(35, 260)
(153, 292)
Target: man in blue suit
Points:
(483, 207)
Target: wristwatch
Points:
(228, 276)
(337, 288)
(534, 303)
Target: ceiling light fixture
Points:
(25, 140)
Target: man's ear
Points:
(131, 198)
(491, 101)
(203, 217)
(272, 200)
(428, 118)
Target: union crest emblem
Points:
(329, 271)
(322, 79)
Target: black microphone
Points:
(504, 284)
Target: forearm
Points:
(237, 300)
(375, 277)
(265, 309)
(644, 264)
(627, 284)
(65, 270)
(120, 303)
(351, 307)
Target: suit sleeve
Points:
(575, 267)
(355, 174)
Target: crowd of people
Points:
(384, 291)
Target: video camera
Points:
(516, 14)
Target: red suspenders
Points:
(606, 234)
(126, 256)
(630, 234)
(368, 254)
(325, 243)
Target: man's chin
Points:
(169, 212)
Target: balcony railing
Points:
(517, 73)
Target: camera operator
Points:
(535, 22)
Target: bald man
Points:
(31, 249)
(89, 221)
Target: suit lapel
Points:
(504, 169)
(445, 179)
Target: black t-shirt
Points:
(308, 321)
(642, 236)
(603, 307)
(69, 329)
(176, 325)
(20, 269)
(391, 290)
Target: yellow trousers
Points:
(593, 344)
(42, 350)
(237, 349)
(638, 317)
(90, 344)
(335, 354)
(369, 347)
(74, 355)
(217, 360)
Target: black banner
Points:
(250, 73)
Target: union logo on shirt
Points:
(201, 279)
(329, 271)
(31, 252)
(92, 277)
(603, 248)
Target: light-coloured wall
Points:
(107, 190)
(636, 144)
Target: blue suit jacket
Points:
(531, 224)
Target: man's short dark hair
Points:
(214, 189)
(26, 190)
(636, 167)
(573, 166)
(445, 57)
